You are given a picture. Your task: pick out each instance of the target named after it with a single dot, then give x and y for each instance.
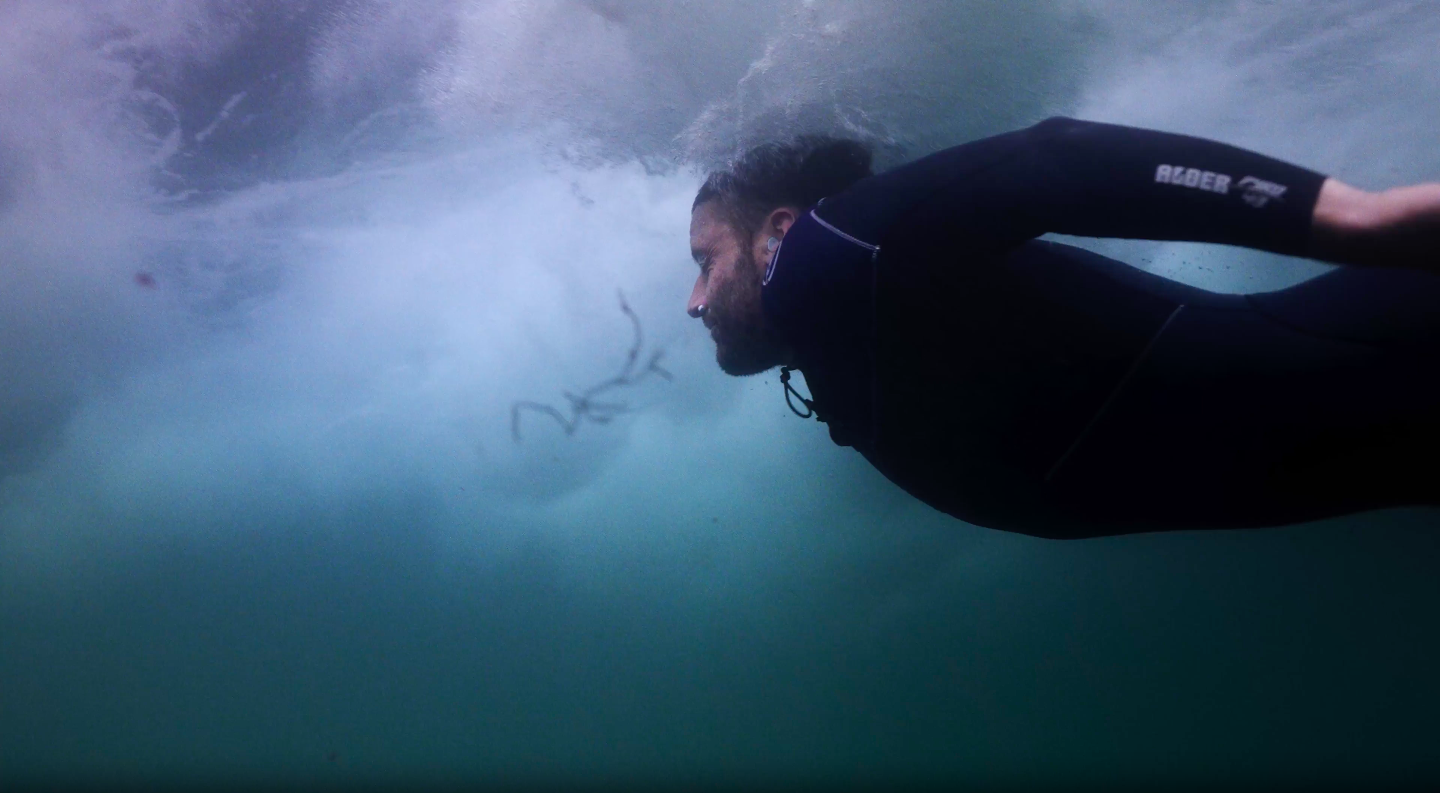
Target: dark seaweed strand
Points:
(584, 405)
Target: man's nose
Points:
(696, 307)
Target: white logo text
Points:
(1208, 181)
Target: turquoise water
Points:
(273, 274)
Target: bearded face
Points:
(728, 288)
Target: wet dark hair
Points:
(771, 175)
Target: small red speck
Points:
(145, 279)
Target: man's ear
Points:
(780, 220)
(776, 224)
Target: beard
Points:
(745, 344)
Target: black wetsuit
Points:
(1036, 387)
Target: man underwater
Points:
(1039, 388)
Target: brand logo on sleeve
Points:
(1209, 181)
(1253, 190)
(1259, 192)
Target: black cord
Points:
(789, 389)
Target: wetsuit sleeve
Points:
(1104, 180)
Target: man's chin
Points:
(739, 365)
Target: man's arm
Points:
(1239, 197)
(1089, 179)
(1399, 227)
(1093, 179)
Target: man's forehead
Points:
(706, 225)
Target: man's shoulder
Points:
(873, 207)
